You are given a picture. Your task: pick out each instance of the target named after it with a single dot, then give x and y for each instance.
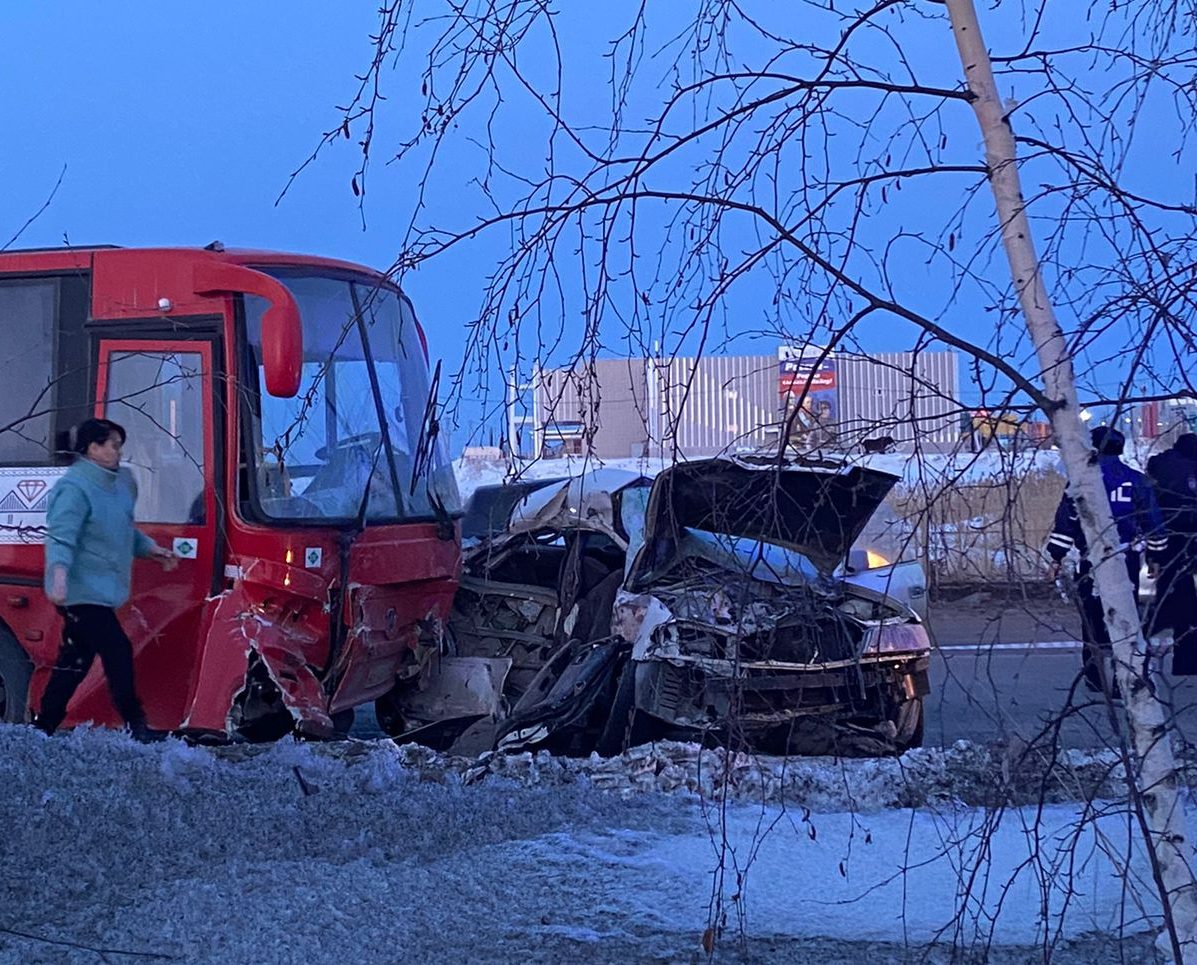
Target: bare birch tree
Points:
(1156, 782)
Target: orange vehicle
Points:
(282, 432)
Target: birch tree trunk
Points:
(1154, 770)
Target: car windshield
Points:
(348, 443)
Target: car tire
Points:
(910, 722)
(15, 673)
(621, 731)
(388, 714)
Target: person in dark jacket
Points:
(1137, 517)
(1174, 474)
(90, 545)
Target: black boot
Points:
(43, 725)
(144, 734)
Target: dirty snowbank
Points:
(964, 773)
(368, 852)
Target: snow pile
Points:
(368, 852)
(966, 773)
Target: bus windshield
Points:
(358, 439)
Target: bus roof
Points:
(78, 257)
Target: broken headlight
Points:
(897, 637)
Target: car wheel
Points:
(389, 716)
(15, 671)
(622, 729)
(909, 722)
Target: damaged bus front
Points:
(282, 431)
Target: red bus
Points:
(282, 431)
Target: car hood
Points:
(496, 514)
(819, 511)
(488, 511)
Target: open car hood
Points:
(818, 511)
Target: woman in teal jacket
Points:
(90, 545)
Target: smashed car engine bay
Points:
(713, 603)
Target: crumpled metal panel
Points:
(239, 625)
(459, 687)
(394, 632)
(303, 695)
(583, 502)
(637, 615)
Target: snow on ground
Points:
(368, 852)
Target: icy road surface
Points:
(345, 853)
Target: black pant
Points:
(1095, 638)
(1176, 605)
(87, 631)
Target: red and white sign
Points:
(805, 369)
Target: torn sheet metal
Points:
(457, 706)
(459, 687)
(303, 694)
(563, 703)
(386, 642)
(637, 615)
(584, 502)
(253, 617)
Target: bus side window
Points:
(27, 317)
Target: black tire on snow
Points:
(620, 731)
(910, 722)
(15, 671)
(342, 722)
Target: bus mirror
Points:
(282, 331)
(282, 348)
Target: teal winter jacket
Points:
(91, 533)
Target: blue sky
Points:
(180, 124)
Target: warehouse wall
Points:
(718, 403)
(701, 407)
(907, 396)
(608, 396)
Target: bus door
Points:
(163, 394)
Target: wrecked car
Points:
(717, 602)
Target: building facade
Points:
(694, 407)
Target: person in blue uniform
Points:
(1174, 473)
(1137, 517)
